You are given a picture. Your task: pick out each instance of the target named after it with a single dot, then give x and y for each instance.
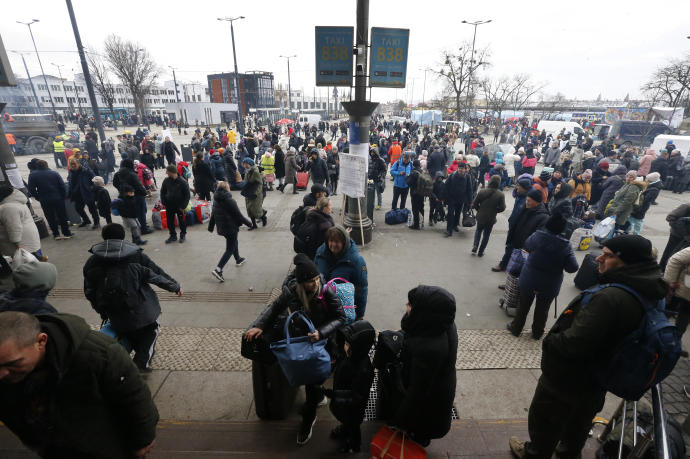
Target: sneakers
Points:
(172, 238)
(67, 236)
(378, 207)
(447, 234)
(517, 447)
(218, 274)
(183, 237)
(480, 253)
(240, 262)
(305, 430)
(474, 249)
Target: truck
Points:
(34, 133)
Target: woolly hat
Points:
(128, 163)
(35, 275)
(536, 195)
(545, 175)
(653, 177)
(248, 161)
(98, 181)
(305, 269)
(631, 248)
(525, 183)
(556, 223)
(318, 189)
(587, 174)
(604, 165)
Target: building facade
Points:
(255, 90)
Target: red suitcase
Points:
(302, 179)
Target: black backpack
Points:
(115, 288)
(297, 219)
(388, 348)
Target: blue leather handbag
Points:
(302, 361)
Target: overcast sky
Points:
(580, 49)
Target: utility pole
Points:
(237, 77)
(423, 95)
(81, 112)
(62, 82)
(45, 80)
(469, 75)
(289, 90)
(360, 111)
(33, 89)
(177, 95)
(87, 74)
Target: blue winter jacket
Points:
(46, 185)
(351, 266)
(396, 171)
(217, 167)
(549, 255)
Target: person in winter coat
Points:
(567, 398)
(682, 178)
(609, 188)
(302, 290)
(677, 270)
(126, 206)
(352, 381)
(312, 233)
(510, 159)
(17, 227)
(436, 162)
(488, 203)
(524, 185)
(175, 197)
(103, 201)
(552, 157)
(529, 162)
(279, 166)
(676, 220)
(646, 163)
(416, 198)
(48, 188)
(560, 202)
(204, 181)
(127, 176)
(531, 217)
(581, 185)
(623, 201)
(589, 161)
(291, 169)
(484, 166)
(599, 176)
(85, 368)
(227, 219)
(542, 275)
(400, 170)
(169, 150)
(436, 210)
(377, 173)
(339, 256)
(394, 153)
(116, 283)
(80, 192)
(541, 183)
(649, 194)
(32, 283)
(253, 193)
(217, 165)
(333, 163)
(428, 364)
(457, 194)
(318, 168)
(145, 176)
(268, 168)
(661, 165)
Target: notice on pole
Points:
(361, 150)
(353, 175)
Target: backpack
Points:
(645, 357)
(388, 347)
(345, 290)
(114, 288)
(298, 217)
(186, 173)
(425, 185)
(146, 174)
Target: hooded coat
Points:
(79, 184)
(510, 160)
(204, 180)
(428, 356)
(549, 255)
(583, 337)
(646, 163)
(280, 163)
(580, 187)
(291, 167)
(226, 216)
(560, 203)
(349, 265)
(142, 307)
(312, 233)
(623, 201)
(610, 186)
(217, 167)
(489, 202)
(526, 223)
(127, 176)
(397, 170)
(253, 193)
(17, 225)
(230, 167)
(88, 400)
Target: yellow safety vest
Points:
(59, 146)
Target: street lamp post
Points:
(423, 96)
(469, 76)
(62, 82)
(289, 95)
(33, 89)
(237, 77)
(45, 80)
(177, 95)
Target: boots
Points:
(253, 227)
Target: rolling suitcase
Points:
(511, 295)
(42, 227)
(302, 179)
(273, 395)
(588, 274)
(72, 215)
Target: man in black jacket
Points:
(116, 283)
(48, 188)
(457, 193)
(567, 398)
(68, 391)
(127, 176)
(416, 198)
(532, 217)
(169, 150)
(175, 197)
(318, 168)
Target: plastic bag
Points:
(22, 256)
(604, 229)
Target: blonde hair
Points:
(224, 185)
(322, 203)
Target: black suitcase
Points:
(187, 154)
(588, 274)
(72, 215)
(273, 395)
(42, 227)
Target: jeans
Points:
(231, 248)
(482, 230)
(79, 207)
(56, 214)
(636, 224)
(141, 201)
(453, 217)
(143, 342)
(133, 225)
(399, 193)
(417, 208)
(170, 218)
(541, 311)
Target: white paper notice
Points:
(353, 175)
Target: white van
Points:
(682, 143)
(555, 127)
(310, 119)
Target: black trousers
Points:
(417, 208)
(93, 210)
(143, 341)
(170, 218)
(314, 394)
(56, 215)
(560, 417)
(541, 311)
(400, 193)
(673, 242)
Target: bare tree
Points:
(497, 94)
(133, 66)
(670, 83)
(523, 89)
(456, 69)
(100, 76)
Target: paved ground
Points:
(203, 387)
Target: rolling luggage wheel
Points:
(500, 303)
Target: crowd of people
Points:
(463, 183)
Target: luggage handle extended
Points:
(661, 448)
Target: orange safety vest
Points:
(10, 139)
(394, 152)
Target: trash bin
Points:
(371, 198)
(187, 154)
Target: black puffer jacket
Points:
(327, 315)
(127, 176)
(175, 193)
(584, 336)
(204, 181)
(88, 402)
(527, 222)
(560, 203)
(226, 216)
(428, 357)
(354, 374)
(230, 167)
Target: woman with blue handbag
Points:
(301, 292)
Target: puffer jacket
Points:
(623, 200)
(17, 225)
(428, 357)
(291, 167)
(217, 167)
(79, 184)
(646, 163)
(610, 186)
(560, 202)
(549, 255)
(226, 216)
(580, 187)
(677, 270)
(489, 202)
(127, 176)
(525, 224)
(586, 336)
(399, 167)
(230, 167)
(327, 315)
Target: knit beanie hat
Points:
(631, 248)
(98, 181)
(128, 163)
(536, 195)
(35, 275)
(545, 175)
(305, 269)
(525, 183)
(653, 177)
(556, 224)
(604, 165)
